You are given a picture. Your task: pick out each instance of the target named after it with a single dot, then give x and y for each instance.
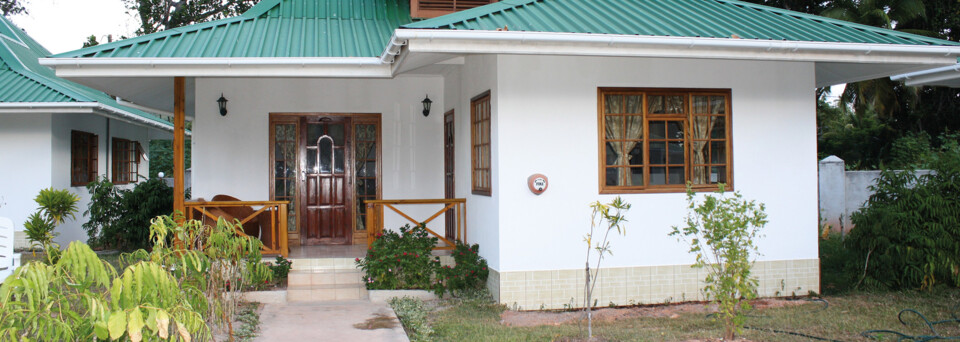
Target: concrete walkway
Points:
(358, 320)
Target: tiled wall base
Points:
(562, 289)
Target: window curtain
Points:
(702, 126)
(630, 128)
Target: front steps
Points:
(325, 279)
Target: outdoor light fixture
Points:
(222, 103)
(426, 105)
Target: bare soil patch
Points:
(554, 318)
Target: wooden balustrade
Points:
(457, 206)
(270, 219)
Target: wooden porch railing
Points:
(457, 205)
(271, 218)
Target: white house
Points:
(56, 133)
(604, 98)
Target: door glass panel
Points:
(314, 132)
(336, 132)
(326, 155)
(312, 166)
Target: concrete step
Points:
(351, 276)
(317, 264)
(320, 293)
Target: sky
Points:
(63, 25)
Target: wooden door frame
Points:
(355, 118)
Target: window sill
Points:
(664, 190)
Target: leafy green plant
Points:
(468, 273)
(119, 218)
(413, 315)
(55, 207)
(280, 268)
(721, 232)
(608, 217)
(400, 260)
(81, 298)
(908, 233)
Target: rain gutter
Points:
(66, 107)
(219, 67)
(930, 76)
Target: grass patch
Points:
(843, 319)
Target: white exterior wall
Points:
(25, 164)
(60, 147)
(231, 153)
(774, 157)
(477, 75)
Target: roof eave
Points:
(519, 42)
(83, 107)
(942, 76)
(361, 67)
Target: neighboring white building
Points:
(59, 134)
(604, 98)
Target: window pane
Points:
(633, 127)
(278, 132)
(675, 150)
(718, 153)
(700, 104)
(718, 174)
(614, 104)
(675, 130)
(655, 104)
(613, 176)
(658, 153)
(634, 104)
(658, 175)
(370, 187)
(718, 105)
(338, 160)
(370, 169)
(613, 153)
(278, 187)
(291, 217)
(698, 154)
(658, 129)
(719, 128)
(636, 154)
(613, 125)
(636, 176)
(280, 169)
(676, 175)
(674, 104)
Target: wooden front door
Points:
(326, 191)
(449, 190)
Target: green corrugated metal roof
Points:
(672, 18)
(274, 28)
(23, 79)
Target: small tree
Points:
(55, 207)
(613, 216)
(721, 231)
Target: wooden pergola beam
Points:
(179, 104)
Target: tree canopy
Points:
(159, 15)
(11, 7)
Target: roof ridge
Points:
(829, 20)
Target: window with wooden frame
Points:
(83, 158)
(480, 144)
(657, 140)
(125, 161)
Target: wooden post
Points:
(179, 104)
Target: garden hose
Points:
(933, 336)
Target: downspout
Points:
(109, 157)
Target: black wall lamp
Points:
(222, 103)
(426, 105)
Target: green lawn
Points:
(844, 319)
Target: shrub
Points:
(119, 218)
(82, 298)
(721, 232)
(400, 260)
(908, 233)
(469, 273)
(280, 269)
